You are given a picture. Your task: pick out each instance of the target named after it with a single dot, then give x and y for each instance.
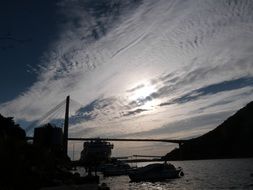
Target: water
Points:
(201, 174)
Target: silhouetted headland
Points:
(232, 139)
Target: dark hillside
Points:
(232, 139)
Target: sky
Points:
(172, 69)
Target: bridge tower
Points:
(66, 127)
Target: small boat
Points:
(115, 169)
(155, 172)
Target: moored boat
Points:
(116, 169)
(96, 151)
(155, 172)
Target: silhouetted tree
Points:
(8, 129)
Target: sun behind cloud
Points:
(142, 92)
(141, 96)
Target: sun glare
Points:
(142, 93)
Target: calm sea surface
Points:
(201, 174)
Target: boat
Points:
(156, 172)
(115, 169)
(96, 151)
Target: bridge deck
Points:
(116, 139)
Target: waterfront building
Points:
(48, 136)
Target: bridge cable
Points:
(46, 115)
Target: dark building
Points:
(48, 136)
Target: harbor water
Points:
(199, 174)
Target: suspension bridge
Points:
(55, 115)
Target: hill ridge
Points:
(233, 138)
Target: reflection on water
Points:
(200, 174)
